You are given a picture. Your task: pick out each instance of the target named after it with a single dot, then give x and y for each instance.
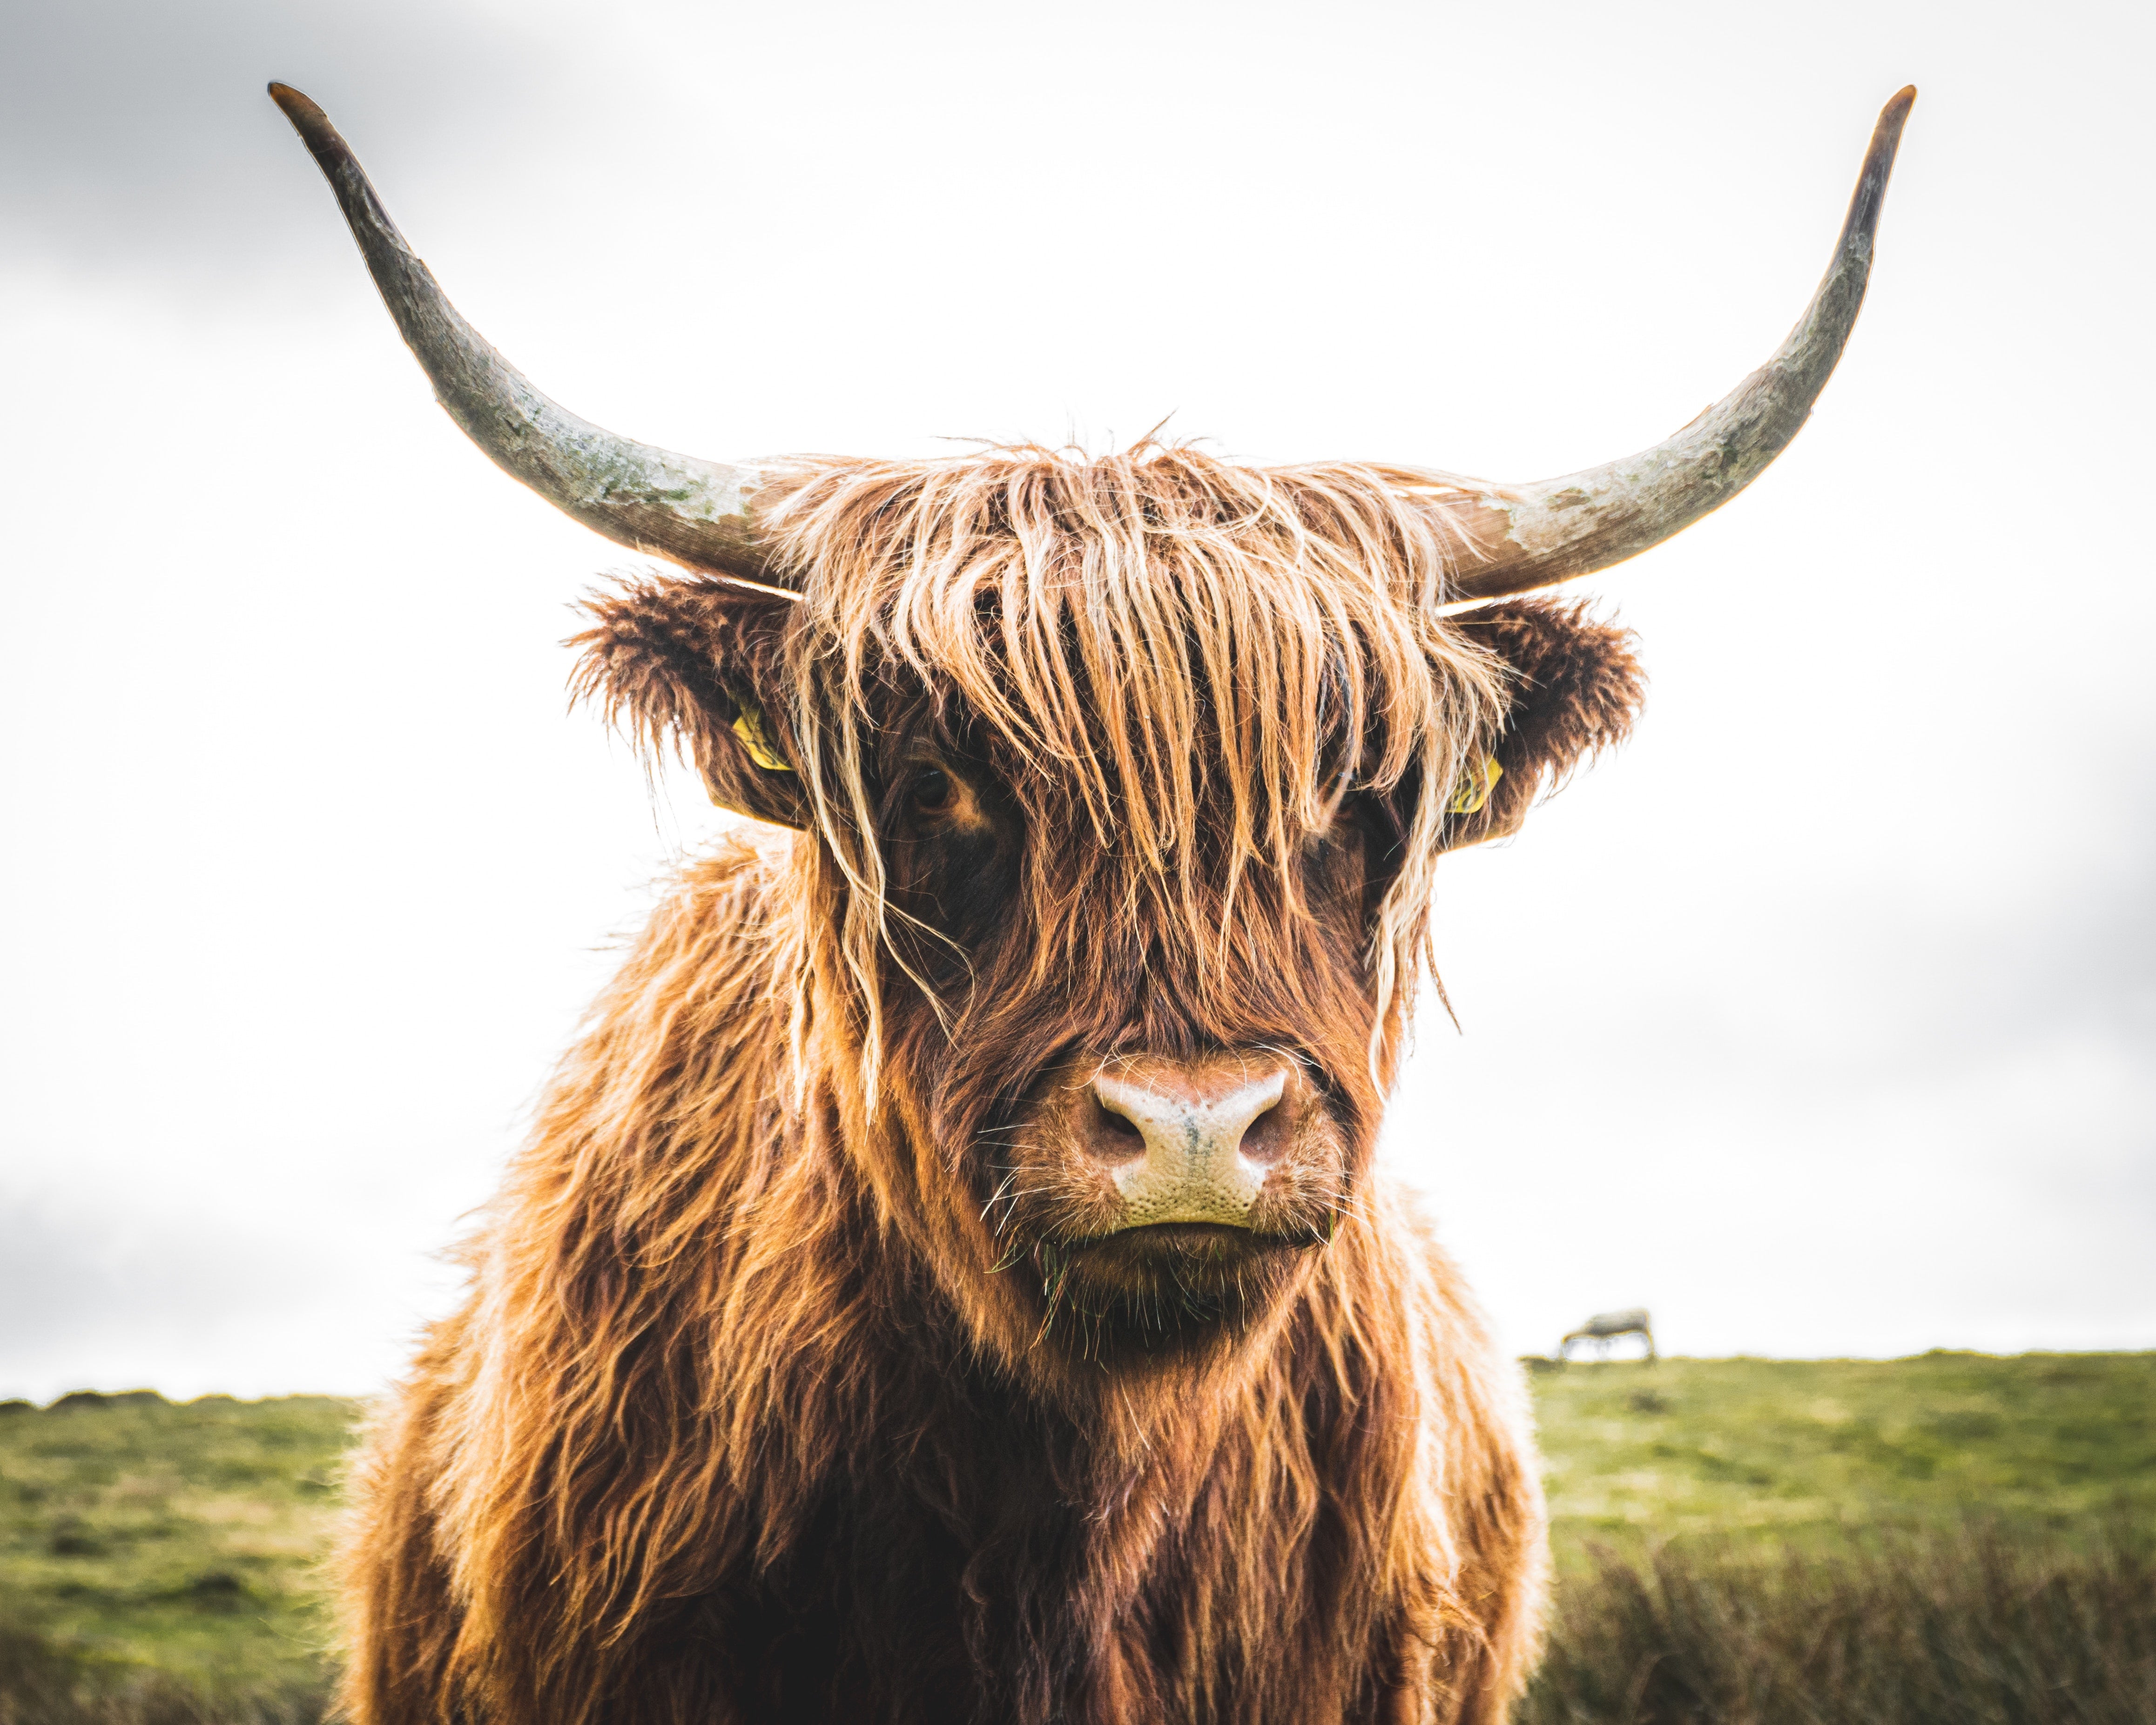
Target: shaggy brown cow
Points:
(947, 1280)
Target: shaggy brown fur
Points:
(796, 1381)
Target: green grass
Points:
(1808, 1453)
(154, 1554)
(181, 1538)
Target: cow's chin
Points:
(1165, 1290)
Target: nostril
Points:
(1265, 1139)
(1115, 1132)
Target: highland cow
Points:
(948, 1280)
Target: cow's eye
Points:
(1343, 818)
(932, 792)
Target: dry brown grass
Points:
(1966, 1627)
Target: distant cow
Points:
(1604, 1326)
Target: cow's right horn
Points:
(693, 512)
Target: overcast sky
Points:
(1822, 1018)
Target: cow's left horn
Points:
(1531, 536)
(693, 512)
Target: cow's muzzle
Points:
(1191, 1141)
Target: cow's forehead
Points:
(1141, 632)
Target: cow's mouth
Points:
(1200, 1269)
(1202, 1242)
(1189, 1236)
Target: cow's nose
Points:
(1185, 1146)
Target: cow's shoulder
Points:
(719, 924)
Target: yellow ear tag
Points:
(1475, 786)
(749, 726)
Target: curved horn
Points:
(1534, 534)
(693, 512)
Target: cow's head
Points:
(1121, 783)
(1125, 779)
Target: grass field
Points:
(170, 1550)
(184, 1538)
(1775, 1453)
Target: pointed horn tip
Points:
(1870, 197)
(323, 141)
(298, 107)
(1886, 134)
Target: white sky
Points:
(1821, 1019)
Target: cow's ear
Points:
(1576, 688)
(697, 661)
